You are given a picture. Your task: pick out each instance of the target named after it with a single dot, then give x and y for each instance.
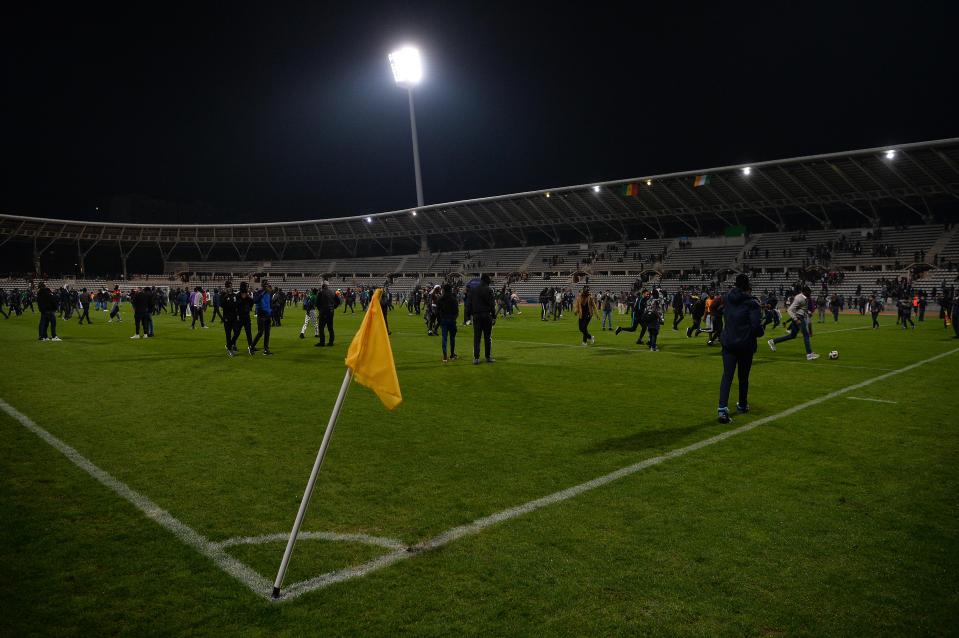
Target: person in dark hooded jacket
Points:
(482, 309)
(742, 326)
(47, 303)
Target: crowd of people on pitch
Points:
(647, 307)
(734, 318)
(794, 310)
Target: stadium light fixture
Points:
(747, 170)
(649, 182)
(369, 220)
(596, 189)
(891, 154)
(407, 65)
(547, 194)
(414, 213)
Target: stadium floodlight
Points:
(596, 189)
(747, 170)
(407, 68)
(369, 220)
(414, 213)
(649, 182)
(891, 154)
(547, 194)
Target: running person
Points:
(585, 308)
(874, 309)
(655, 306)
(697, 311)
(115, 297)
(798, 312)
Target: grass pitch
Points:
(839, 519)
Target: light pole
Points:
(408, 71)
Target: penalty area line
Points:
(471, 529)
(186, 534)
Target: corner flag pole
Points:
(300, 515)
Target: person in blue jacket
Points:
(742, 326)
(264, 319)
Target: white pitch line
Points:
(829, 332)
(189, 536)
(477, 526)
(867, 399)
(366, 539)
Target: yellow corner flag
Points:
(370, 356)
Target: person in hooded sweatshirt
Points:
(264, 308)
(742, 326)
(448, 310)
(482, 311)
(47, 304)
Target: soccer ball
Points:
(834, 354)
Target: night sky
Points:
(268, 114)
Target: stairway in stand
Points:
(529, 259)
(940, 244)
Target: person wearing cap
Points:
(743, 325)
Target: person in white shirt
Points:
(197, 308)
(798, 311)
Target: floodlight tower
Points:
(408, 72)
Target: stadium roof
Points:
(807, 191)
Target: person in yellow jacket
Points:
(585, 308)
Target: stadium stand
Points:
(854, 218)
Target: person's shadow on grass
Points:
(658, 439)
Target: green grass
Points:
(841, 519)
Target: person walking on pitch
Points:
(742, 326)
(309, 309)
(326, 303)
(264, 320)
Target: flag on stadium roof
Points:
(701, 180)
(370, 356)
(631, 190)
